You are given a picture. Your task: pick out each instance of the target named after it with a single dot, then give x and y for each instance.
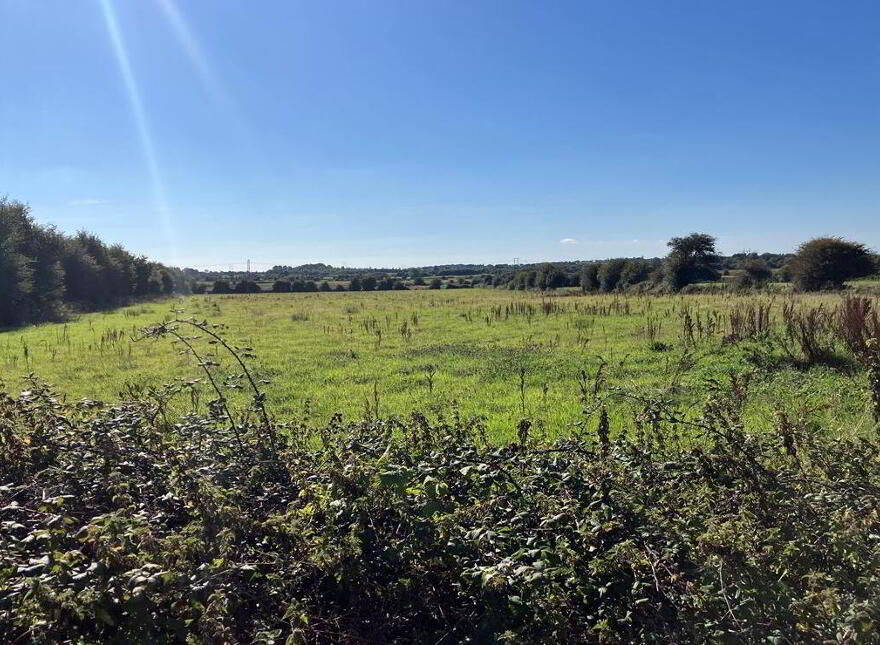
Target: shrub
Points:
(281, 286)
(754, 273)
(386, 283)
(221, 286)
(436, 283)
(246, 286)
(826, 262)
(858, 325)
(812, 330)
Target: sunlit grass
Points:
(432, 351)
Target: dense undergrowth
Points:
(118, 526)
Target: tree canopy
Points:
(692, 258)
(826, 262)
(44, 272)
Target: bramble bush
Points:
(123, 524)
(119, 525)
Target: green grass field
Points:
(499, 355)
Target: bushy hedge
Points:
(43, 272)
(120, 526)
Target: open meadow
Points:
(581, 469)
(496, 355)
(384, 322)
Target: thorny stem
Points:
(258, 396)
(213, 384)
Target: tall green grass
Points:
(496, 356)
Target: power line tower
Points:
(249, 266)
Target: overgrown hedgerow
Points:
(118, 526)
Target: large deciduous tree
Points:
(691, 259)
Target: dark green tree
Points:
(590, 277)
(609, 274)
(549, 276)
(15, 269)
(827, 262)
(634, 272)
(691, 259)
(167, 282)
(754, 273)
(44, 272)
(368, 283)
(246, 286)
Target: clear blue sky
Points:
(407, 132)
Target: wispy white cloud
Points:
(568, 241)
(88, 201)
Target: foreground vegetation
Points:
(642, 520)
(118, 526)
(496, 356)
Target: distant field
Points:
(500, 355)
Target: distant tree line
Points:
(616, 274)
(368, 282)
(318, 272)
(692, 263)
(819, 264)
(44, 273)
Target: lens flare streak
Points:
(141, 122)
(193, 50)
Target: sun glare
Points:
(194, 51)
(139, 115)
